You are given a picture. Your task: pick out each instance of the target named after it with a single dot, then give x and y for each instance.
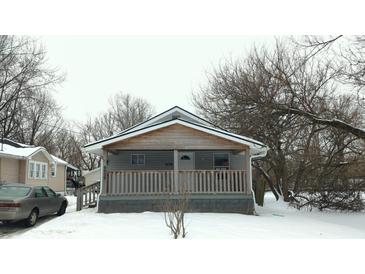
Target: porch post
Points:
(104, 179)
(176, 170)
(248, 169)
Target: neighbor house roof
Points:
(194, 122)
(87, 172)
(18, 152)
(11, 149)
(58, 160)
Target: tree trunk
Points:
(268, 180)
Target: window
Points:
(53, 169)
(221, 161)
(37, 170)
(13, 191)
(31, 170)
(138, 159)
(44, 167)
(39, 192)
(185, 157)
(50, 192)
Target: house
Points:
(29, 165)
(176, 154)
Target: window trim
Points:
(138, 155)
(229, 160)
(34, 170)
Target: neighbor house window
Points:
(53, 169)
(37, 170)
(221, 161)
(44, 171)
(31, 170)
(138, 159)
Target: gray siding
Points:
(204, 160)
(164, 160)
(238, 161)
(155, 160)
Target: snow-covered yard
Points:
(275, 220)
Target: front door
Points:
(186, 160)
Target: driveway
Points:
(7, 230)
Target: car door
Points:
(41, 200)
(53, 201)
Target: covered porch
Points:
(151, 173)
(212, 180)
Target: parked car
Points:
(28, 203)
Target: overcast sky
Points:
(162, 69)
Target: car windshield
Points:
(14, 191)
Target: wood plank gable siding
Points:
(176, 137)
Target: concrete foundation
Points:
(220, 203)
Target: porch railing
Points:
(87, 195)
(169, 181)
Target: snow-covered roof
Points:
(72, 167)
(11, 149)
(58, 160)
(182, 117)
(18, 152)
(86, 172)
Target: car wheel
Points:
(62, 209)
(32, 219)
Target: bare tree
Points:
(29, 114)
(23, 72)
(124, 111)
(288, 98)
(127, 110)
(174, 208)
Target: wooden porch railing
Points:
(87, 195)
(169, 181)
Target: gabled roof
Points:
(87, 172)
(157, 120)
(176, 109)
(256, 146)
(58, 160)
(16, 150)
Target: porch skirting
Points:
(219, 203)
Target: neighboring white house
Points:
(25, 164)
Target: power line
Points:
(61, 128)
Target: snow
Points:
(9, 150)
(274, 221)
(25, 151)
(58, 160)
